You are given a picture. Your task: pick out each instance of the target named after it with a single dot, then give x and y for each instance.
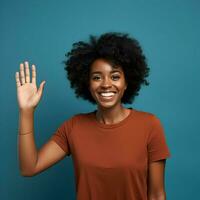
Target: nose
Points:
(106, 83)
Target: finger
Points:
(41, 88)
(18, 84)
(27, 72)
(22, 76)
(33, 74)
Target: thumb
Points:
(41, 88)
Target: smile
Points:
(106, 95)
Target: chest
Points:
(110, 149)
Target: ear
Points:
(126, 86)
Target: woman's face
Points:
(107, 84)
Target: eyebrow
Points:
(99, 72)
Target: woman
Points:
(118, 153)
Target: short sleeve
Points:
(61, 136)
(157, 145)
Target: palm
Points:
(27, 93)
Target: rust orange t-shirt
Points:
(111, 160)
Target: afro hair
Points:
(116, 48)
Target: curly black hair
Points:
(116, 48)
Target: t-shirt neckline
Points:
(107, 126)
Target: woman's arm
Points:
(156, 180)
(31, 160)
(26, 144)
(28, 96)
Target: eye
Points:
(96, 77)
(115, 77)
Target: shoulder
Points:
(154, 126)
(147, 117)
(78, 118)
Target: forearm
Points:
(26, 143)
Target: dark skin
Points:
(105, 78)
(110, 110)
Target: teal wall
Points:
(42, 31)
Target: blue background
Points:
(43, 31)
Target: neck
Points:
(111, 115)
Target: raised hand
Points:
(27, 93)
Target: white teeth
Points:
(107, 94)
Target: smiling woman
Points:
(107, 85)
(118, 152)
(116, 49)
